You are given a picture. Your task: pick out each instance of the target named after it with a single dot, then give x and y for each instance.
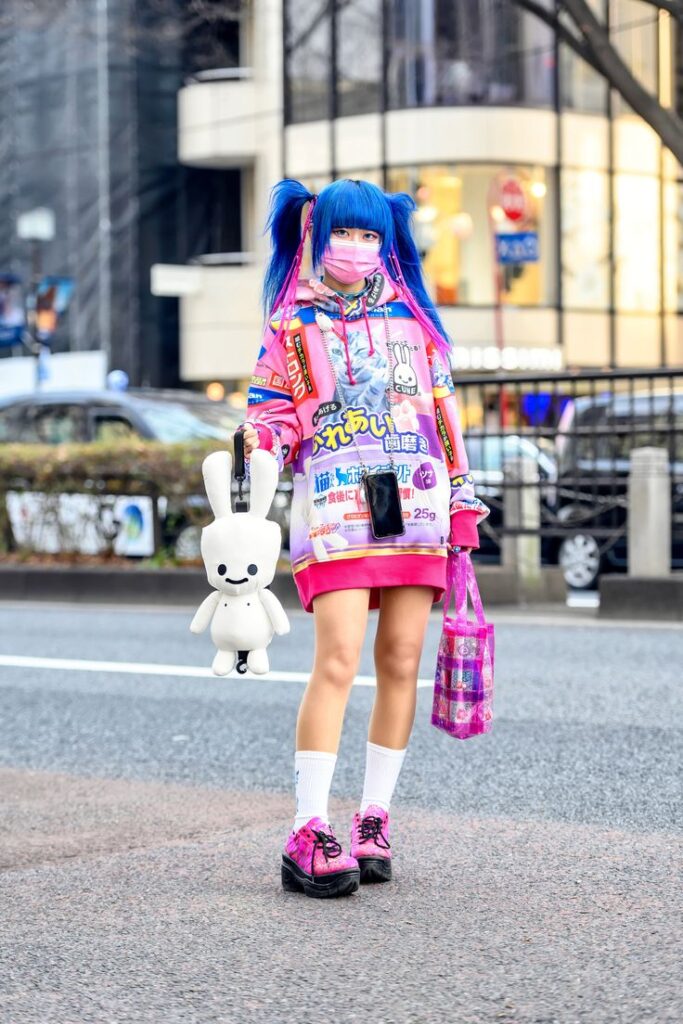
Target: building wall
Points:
(428, 104)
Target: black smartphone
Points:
(384, 504)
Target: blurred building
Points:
(474, 110)
(89, 130)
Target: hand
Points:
(459, 550)
(251, 440)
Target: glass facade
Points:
(581, 87)
(585, 239)
(637, 243)
(438, 53)
(633, 30)
(446, 54)
(459, 218)
(308, 48)
(89, 129)
(359, 57)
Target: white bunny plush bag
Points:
(240, 552)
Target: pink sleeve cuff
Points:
(464, 528)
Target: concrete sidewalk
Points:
(142, 902)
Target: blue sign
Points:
(519, 247)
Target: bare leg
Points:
(403, 617)
(341, 618)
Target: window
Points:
(9, 425)
(457, 206)
(212, 221)
(633, 31)
(359, 57)
(54, 424)
(308, 44)
(636, 243)
(585, 239)
(439, 53)
(582, 88)
(211, 36)
(110, 429)
(443, 53)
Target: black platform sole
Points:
(342, 883)
(374, 869)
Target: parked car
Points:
(487, 454)
(595, 438)
(172, 416)
(83, 416)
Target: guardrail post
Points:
(649, 513)
(522, 511)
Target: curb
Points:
(639, 597)
(104, 585)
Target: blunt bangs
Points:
(349, 203)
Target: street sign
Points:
(512, 199)
(519, 247)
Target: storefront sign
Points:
(510, 357)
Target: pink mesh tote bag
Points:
(463, 684)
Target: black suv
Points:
(595, 438)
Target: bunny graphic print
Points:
(313, 392)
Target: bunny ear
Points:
(405, 358)
(217, 470)
(263, 476)
(397, 352)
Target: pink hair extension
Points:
(419, 314)
(287, 294)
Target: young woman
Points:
(352, 379)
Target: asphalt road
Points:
(537, 869)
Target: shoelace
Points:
(371, 828)
(328, 844)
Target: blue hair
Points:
(351, 203)
(287, 199)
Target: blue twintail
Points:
(350, 203)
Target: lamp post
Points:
(36, 226)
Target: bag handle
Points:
(460, 576)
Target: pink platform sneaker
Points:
(370, 844)
(313, 862)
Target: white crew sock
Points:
(313, 771)
(382, 768)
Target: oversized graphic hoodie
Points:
(296, 406)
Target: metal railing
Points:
(575, 434)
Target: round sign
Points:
(512, 199)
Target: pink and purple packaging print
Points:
(463, 683)
(293, 392)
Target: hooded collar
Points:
(379, 289)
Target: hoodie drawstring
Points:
(352, 379)
(367, 326)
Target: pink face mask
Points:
(350, 261)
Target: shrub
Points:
(134, 467)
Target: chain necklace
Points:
(325, 330)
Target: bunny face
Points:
(405, 378)
(240, 551)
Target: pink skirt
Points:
(374, 572)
